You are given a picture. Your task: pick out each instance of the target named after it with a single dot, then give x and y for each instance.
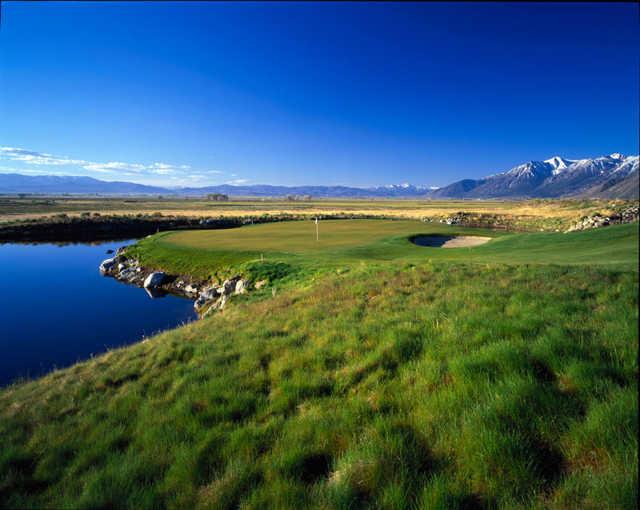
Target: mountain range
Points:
(613, 176)
(55, 184)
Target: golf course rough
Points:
(380, 375)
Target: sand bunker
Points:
(449, 241)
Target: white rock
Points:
(240, 287)
(210, 293)
(228, 287)
(217, 305)
(198, 303)
(107, 265)
(190, 289)
(153, 280)
(127, 274)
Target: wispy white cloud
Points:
(37, 158)
(156, 170)
(237, 181)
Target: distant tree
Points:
(218, 197)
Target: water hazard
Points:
(58, 309)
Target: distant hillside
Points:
(624, 187)
(554, 177)
(613, 176)
(50, 184)
(266, 190)
(53, 184)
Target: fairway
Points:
(297, 236)
(205, 253)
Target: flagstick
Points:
(317, 234)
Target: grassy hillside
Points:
(347, 242)
(431, 386)
(381, 375)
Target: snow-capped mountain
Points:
(48, 184)
(553, 177)
(558, 164)
(614, 176)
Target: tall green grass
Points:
(410, 385)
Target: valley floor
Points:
(546, 214)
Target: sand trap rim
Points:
(448, 241)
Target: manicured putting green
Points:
(206, 252)
(298, 236)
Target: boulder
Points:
(207, 295)
(228, 286)
(127, 274)
(260, 283)
(202, 302)
(210, 293)
(241, 287)
(154, 280)
(107, 265)
(218, 305)
(190, 289)
(199, 303)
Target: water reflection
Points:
(57, 308)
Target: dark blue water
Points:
(56, 308)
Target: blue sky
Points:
(312, 93)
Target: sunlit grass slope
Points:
(207, 252)
(435, 385)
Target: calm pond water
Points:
(57, 308)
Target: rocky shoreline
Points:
(597, 220)
(475, 220)
(207, 296)
(624, 214)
